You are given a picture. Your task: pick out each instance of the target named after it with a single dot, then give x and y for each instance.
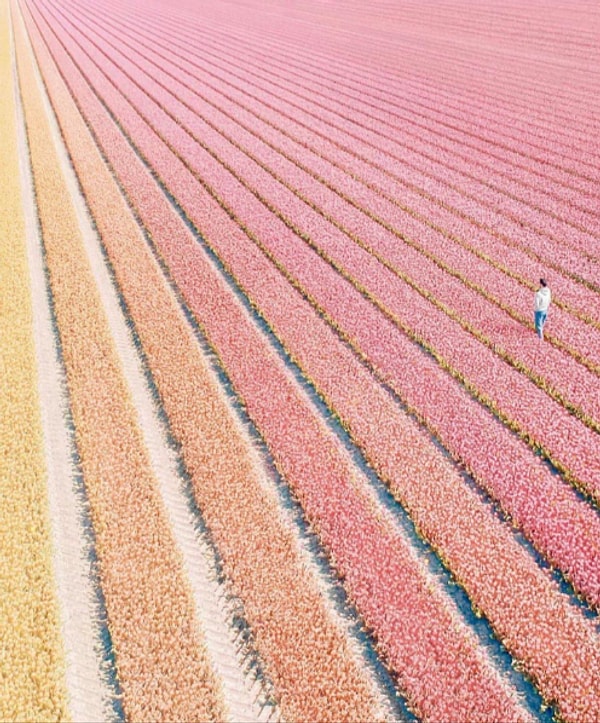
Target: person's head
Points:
(543, 283)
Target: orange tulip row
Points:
(305, 653)
(162, 664)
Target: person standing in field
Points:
(541, 303)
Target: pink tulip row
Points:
(310, 143)
(272, 45)
(434, 217)
(514, 167)
(415, 97)
(327, 486)
(178, 34)
(557, 371)
(585, 297)
(575, 383)
(444, 128)
(452, 166)
(516, 85)
(522, 188)
(587, 584)
(149, 605)
(183, 189)
(377, 85)
(308, 278)
(519, 402)
(463, 99)
(406, 154)
(415, 59)
(407, 113)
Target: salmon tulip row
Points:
(455, 438)
(353, 252)
(294, 633)
(348, 550)
(174, 260)
(149, 606)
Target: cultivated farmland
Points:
(279, 439)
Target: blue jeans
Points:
(540, 320)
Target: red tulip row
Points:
(188, 195)
(345, 517)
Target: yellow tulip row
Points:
(162, 664)
(31, 656)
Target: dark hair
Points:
(543, 282)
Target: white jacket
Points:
(542, 299)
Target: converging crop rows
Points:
(280, 440)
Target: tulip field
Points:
(278, 439)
